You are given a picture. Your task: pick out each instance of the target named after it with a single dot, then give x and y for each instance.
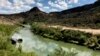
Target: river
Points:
(47, 47)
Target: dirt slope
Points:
(92, 31)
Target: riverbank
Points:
(67, 35)
(48, 47)
(6, 48)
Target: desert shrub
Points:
(75, 35)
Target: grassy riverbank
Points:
(71, 36)
(6, 48)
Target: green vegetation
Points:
(61, 52)
(6, 48)
(71, 36)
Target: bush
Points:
(79, 36)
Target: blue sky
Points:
(17, 6)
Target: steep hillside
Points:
(84, 16)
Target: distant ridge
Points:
(80, 8)
(85, 16)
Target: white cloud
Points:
(30, 1)
(39, 4)
(48, 9)
(73, 1)
(45, 5)
(5, 3)
(53, 10)
(61, 4)
(23, 5)
(76, 1)
(15, 7)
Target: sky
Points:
(17, 6)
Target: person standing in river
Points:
(20, 45)
(17, 40)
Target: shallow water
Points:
(46, 47)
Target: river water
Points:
(46, 47)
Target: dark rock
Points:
(13, 42)
(20, 40)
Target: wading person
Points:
(17, 40)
